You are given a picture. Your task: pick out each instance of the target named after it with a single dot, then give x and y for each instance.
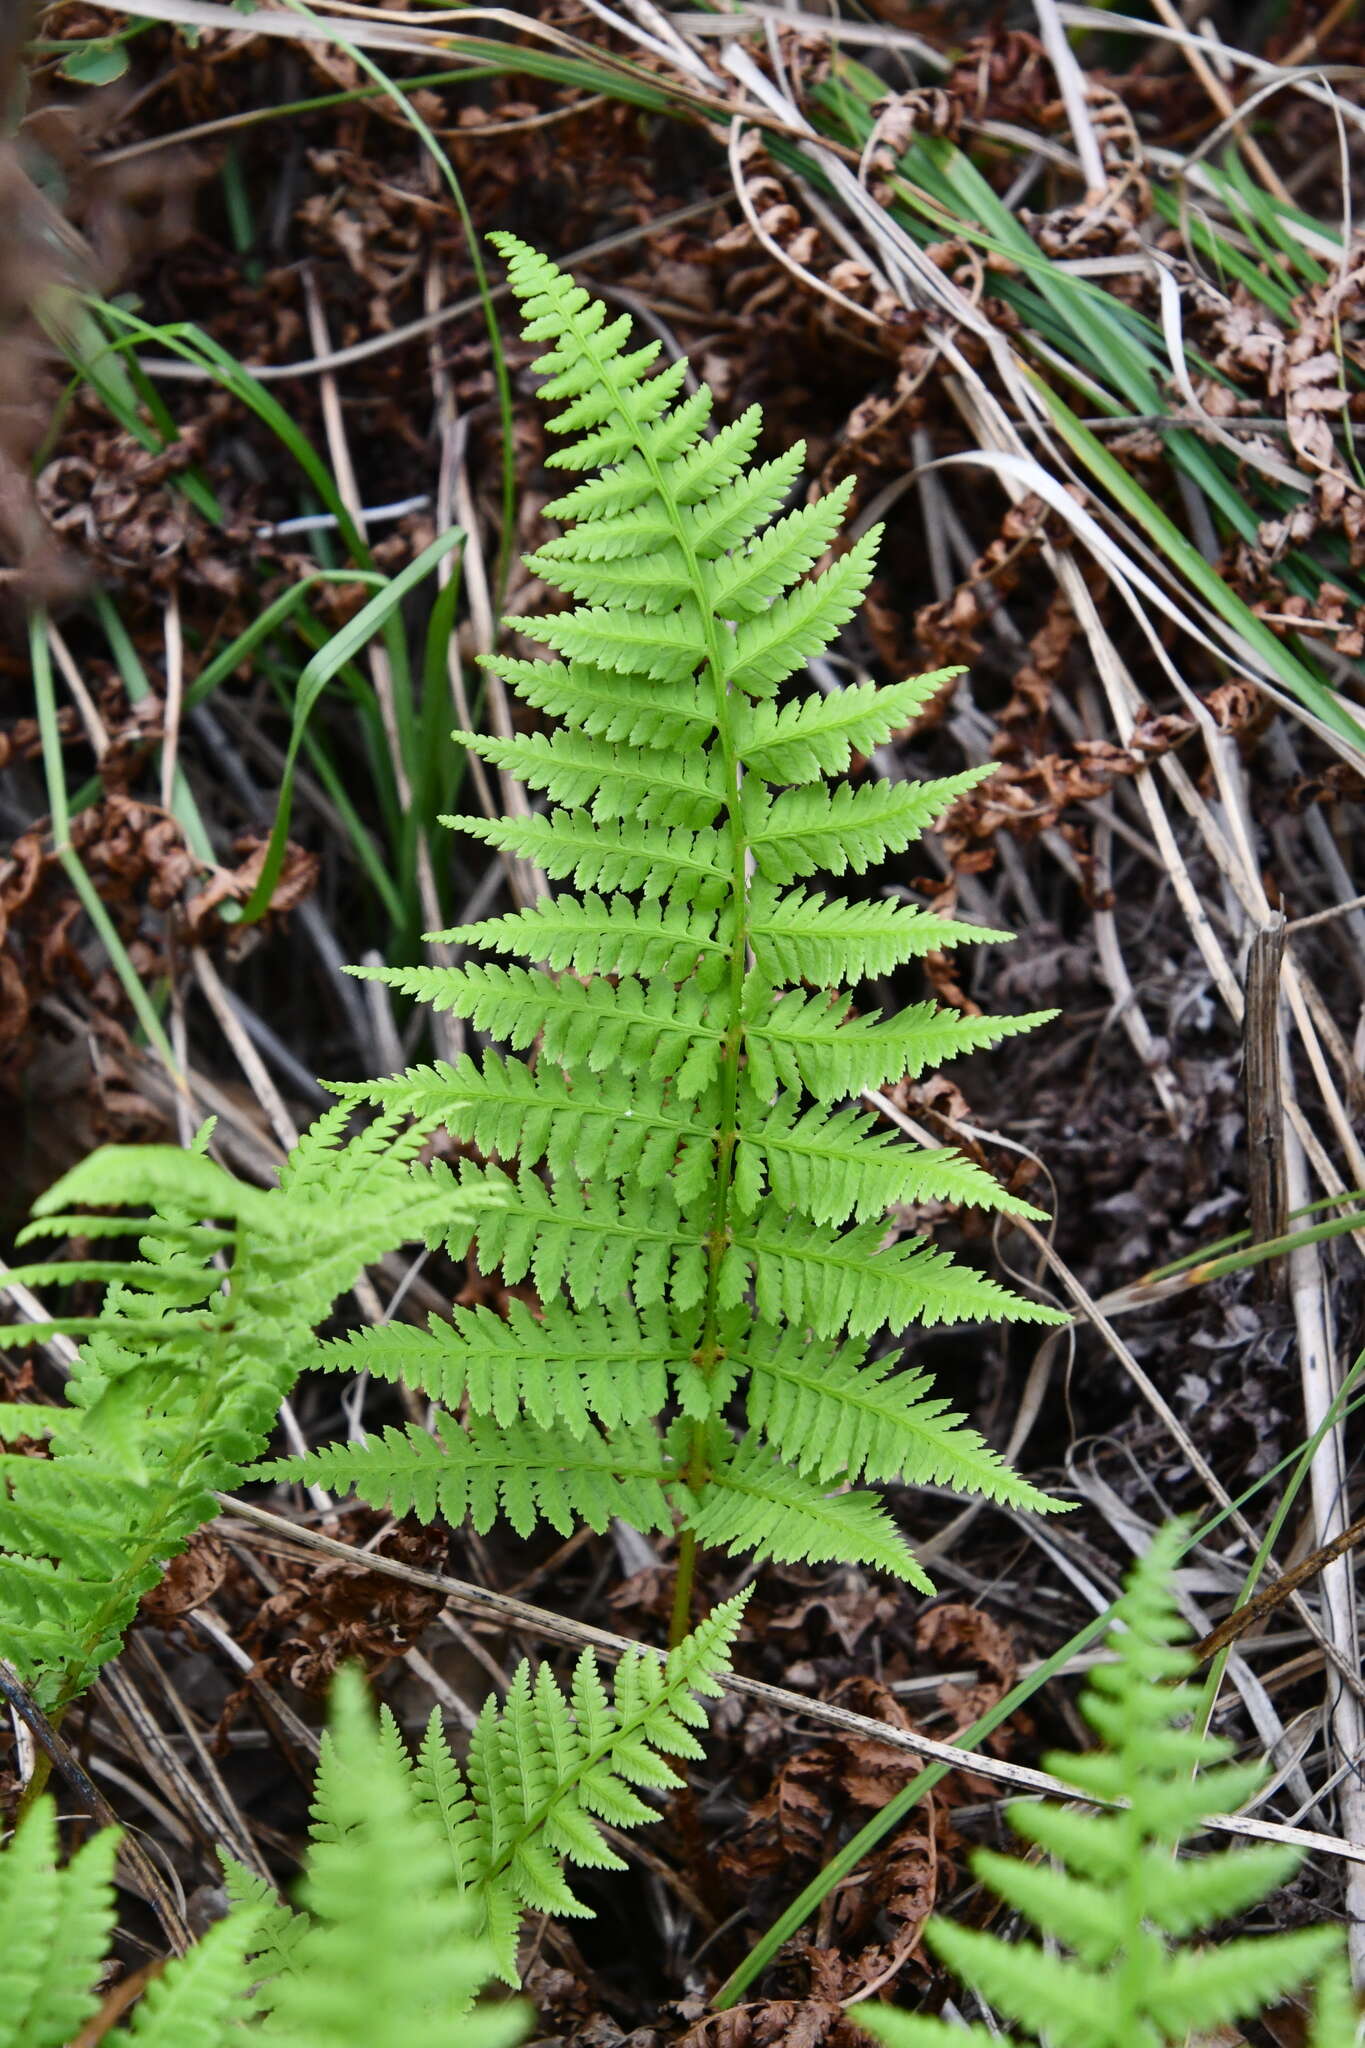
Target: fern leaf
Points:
(809, 828)
(661, 786)
(753, 1501)
(780, 641)
(815, 1042)
(608, 1363)
(742, 584)
(1047, 1993)
(593, 936)
(817, 736)
(594, 1242)
(197, 1997)
(389, 1955)
(591, 1128)
(617, 854)
(655, 1027)
(1205, 1988)
(544, 1770)
(611, 707)
(179, 1382)
(827, 1413)
(835, 1165)
(520, 1471)
(910, 2030)
(802, 1275)
(677, 1131)
(1336, 2019)
(798, 936)
(1118, 1903)
(667, 646)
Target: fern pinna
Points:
(181, 1375)
(1116, 1907)
(698, 1206)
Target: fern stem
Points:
(683, 1581)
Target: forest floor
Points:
(892, 231)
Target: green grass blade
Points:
(315, 677)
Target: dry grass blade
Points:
(552, 1627)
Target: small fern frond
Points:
(545, 1769)
(388, 1956)
(1118, 1905)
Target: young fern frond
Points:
(673, 1150)
(383, 1951)
(1114, 1894)
(545, 1768)
(181, 1374)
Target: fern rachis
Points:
(670, 1143)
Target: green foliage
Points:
(417, 1876)
(701, 1212)
(545, 1769)
(383, 1951)
(1115, 1904)
(180, 1376)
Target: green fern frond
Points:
(387, 1955)
(675, 1148)
(182, 1373)
(544, 1770)
(1116, 1906)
